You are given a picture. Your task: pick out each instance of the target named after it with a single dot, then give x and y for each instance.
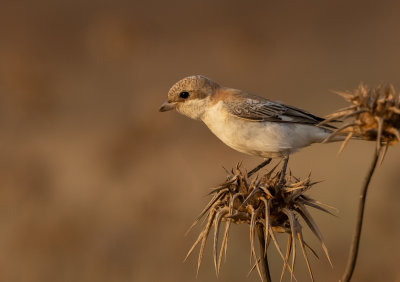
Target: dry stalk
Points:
(355, 244)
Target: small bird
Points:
(245, 122)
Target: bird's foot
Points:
(260, 166)
(283, 171)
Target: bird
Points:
(248, 123)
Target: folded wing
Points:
(259, 109)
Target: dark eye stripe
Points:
(184, 94)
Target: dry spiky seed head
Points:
(374, 115)
(266, 202)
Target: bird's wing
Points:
(255, 108)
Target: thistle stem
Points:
(266, 276)
(352, 259)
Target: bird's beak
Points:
(167, 106)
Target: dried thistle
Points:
(374, 114)
(272, 203)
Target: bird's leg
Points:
(283, 171)
(260, 166)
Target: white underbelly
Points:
(265, 139)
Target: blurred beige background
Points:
(97, 185)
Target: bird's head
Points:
(190, 96)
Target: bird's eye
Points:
(184, 94)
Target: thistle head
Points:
(373, 115)
(273, 202)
